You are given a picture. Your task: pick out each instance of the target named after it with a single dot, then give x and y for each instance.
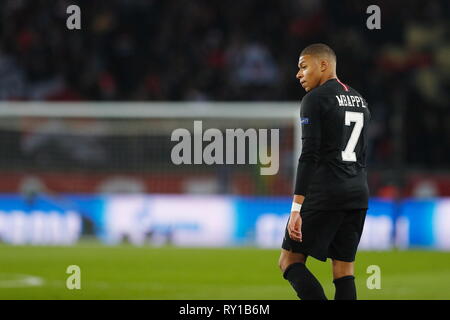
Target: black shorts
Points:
(328, 234)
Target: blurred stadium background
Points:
(86, 118)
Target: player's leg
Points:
(342, 251)
(294, 254)
(342, 269)
(344, 280)
(305, 284)
(288, 257)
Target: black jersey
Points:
(331, 172)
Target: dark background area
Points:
(247, 50)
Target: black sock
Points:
(345, 288)
(304, 282)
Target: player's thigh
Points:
(346, 240)
(288, 257)
(342, 268)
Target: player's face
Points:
(309, 72)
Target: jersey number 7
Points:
(358, 118)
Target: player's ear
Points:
(324, 65)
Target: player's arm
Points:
(311, 134)
(310, 115)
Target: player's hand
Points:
(295, 226)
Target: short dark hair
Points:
(319, 49)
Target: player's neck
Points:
(328, 77)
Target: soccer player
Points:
(331, 193)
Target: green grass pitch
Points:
(127, 272)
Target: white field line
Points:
(16, 280)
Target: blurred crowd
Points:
(247, 50)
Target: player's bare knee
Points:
(338, 264)
(287, 258)
(342, 269)
(283, 262)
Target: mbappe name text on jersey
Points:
(350, 101)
